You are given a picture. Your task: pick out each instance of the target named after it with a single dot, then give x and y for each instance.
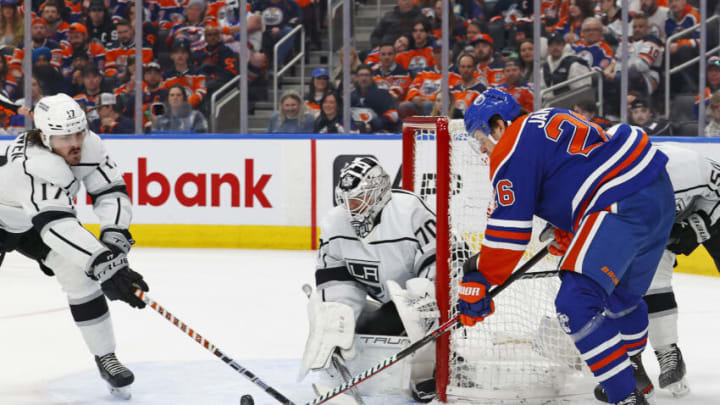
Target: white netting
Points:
(519, 352)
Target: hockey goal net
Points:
(520, 352)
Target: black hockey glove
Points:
(117, 239)
(117, 280)
(688, 234)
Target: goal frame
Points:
(441, 127)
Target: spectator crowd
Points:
(492, 45)
(190, 48)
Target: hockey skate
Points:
(642, 381)
(636, 398)
(423, 391)
(117, 376)
(672, 371)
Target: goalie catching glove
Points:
(117, 280)
(332, 326)
(474, 303)
(688, 234)
(561, 241)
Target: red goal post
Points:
(440, 125)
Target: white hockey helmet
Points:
(364, 189)
(59, 115)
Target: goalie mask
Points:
(364, 189)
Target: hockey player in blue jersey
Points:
(609, 196)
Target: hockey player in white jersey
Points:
(40, 175)
(696, 181)
(377, 243)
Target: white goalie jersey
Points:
(401, 246)
(38, 192)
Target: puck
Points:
(247, 400)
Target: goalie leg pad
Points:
(332, 325)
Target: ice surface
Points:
(248, 303)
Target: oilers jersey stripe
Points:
(497, 263)
(605, 167)
(636, 347)
(614, 371)
(639, 167)
(503, 151)
(638, 160)
(508, 236)
(504, 244)
(509, 223)
(578, 247)
(607, 360)
(635, 336)
(594, 352)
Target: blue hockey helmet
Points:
(491, 102)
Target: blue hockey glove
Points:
(474, 304)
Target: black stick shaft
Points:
(441, 330)
(211, 347)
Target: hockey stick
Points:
(337, 361)
(441, 330)
(211, 347)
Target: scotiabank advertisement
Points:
(213, 181)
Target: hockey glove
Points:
(688, 234)
(474, 304)
(117, 239)
(561, 241)
(117, 280)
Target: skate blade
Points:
(120, 392)
(679, 389)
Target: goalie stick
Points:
(211, 347)
(441, 330)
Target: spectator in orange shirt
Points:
(425, 88)
(184, 74)
(38, 33)
(514, 84)
(489, 67)
(118, 53)
(57, 28)
(78, 38)
(420, 57)
(8, 83)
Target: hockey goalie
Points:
(374, 274)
